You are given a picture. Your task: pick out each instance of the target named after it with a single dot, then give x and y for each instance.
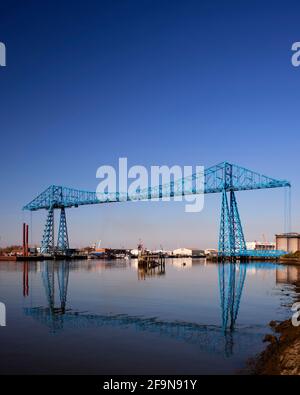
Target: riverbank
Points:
(282, 355)
(291, 259)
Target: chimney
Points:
(24, 247)
(27, 246)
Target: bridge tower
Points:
(47, 245)
(62, 240)
(231, 237)
(48, 242)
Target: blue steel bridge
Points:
(224, 178)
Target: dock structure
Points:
(151, 260)
(150, 264)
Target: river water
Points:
(110, 317)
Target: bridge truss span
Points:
(224, 178)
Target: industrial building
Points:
(289, 242)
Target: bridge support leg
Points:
(237, 234)
(224, 236)
(63, 240)
(231, 238)
(47, 246)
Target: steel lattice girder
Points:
(62, 240)
(47, 245)
(237, 234)
(225, 228)
(231, 239)
(216, 180)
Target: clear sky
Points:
(161, 83)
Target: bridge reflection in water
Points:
(211, 338)
(231, 283)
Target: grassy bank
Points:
(292, 258)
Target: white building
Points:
(188, 252)
(260, 245)
(211, 252)
(183, 252)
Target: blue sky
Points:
(161, 83)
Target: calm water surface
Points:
(109, 317)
